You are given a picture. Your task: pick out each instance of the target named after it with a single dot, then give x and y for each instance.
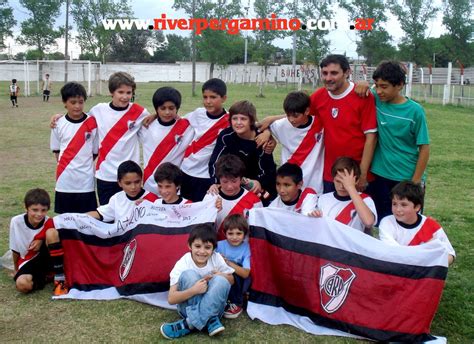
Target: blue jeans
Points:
(200, 308)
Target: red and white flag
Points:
(133, 257)
(329, 279)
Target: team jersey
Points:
(346, 119)
(22, 233)
(13, 89)
(304, 147)
(423, 230)
(341, 208)
(163, 142)
(206, 129)
(76, 142)
(180, 200)
(117, 129)
(121, 205)
(305, 203)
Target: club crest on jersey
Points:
(127, 261)
(131, 125)
(88, 136)
(334, 112)
(334, 285)
(178, 138)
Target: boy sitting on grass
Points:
(199, 285)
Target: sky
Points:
(342, 41)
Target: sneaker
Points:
(175, 329)
(60, 288)
(232, 311)
(214, 326)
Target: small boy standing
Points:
(199, 285)
(169, 177)
(346, 204)
(236, 253)
(74, 143)
(291, 196)
(14, 91)
(46, 87)
(31, 259)
(167, 137)
(407, 226)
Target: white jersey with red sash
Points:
(120, 205)
(342, 209)
(304, 204)
(76, 142)
(118, 137)
(424, 230)
(163, 142)
(22, 233)
(304, 147)
(206, 129)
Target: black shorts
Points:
(39, 267)
(194, 188)
(105, 190)
(70, 202)
(13, 98)
(46, 92)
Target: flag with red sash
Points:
(315, 274)
(208, 137)
(117, 131)
(133, 257)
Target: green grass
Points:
(26, 162)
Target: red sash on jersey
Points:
(306, 192)
(209, 136)
(345, 215)
(306, 145)
(75, 145)
(151, 197)
(165, 146)
(246, 202)
(117, 131)
(425, 233)
(41, 235)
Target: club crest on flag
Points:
(334, 286)
(334, 112)
(127, 261)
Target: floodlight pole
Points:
(193, 51)
(293, 58)
(66, 39)
(246, 44)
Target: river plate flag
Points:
(329, 279)
(133, 257)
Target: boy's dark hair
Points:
(391, 71)
(230, 165)
(244, 107)
(37, 196)
(169, 172)
(13, 81)
(215, 85)
(47, 74)
(296, 102)
(204, 233)
(73, 89)
(409, 190)
(121, 78)
(166, 94)
(345, 163)
(341, 60)
(128, 166)
(236, 221)
(290, 170)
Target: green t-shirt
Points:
(401, 129)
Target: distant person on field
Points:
(14, 91)
(74, 143)
(46, 87)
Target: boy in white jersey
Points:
(14, 91)
(291, 196)
(346, 204)
(169, 177)
(121, 204)
(166, 138)
(199, 285)
(36, 247)
(74, 143)
(407, 226)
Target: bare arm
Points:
(175, 296)
(267, 121)
(15, 257)
(367, 155)
(228, 277)
(95, 214)
(240, 271)
(56, 155)
(423, 157)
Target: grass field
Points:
(26, 162)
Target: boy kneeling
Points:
(200, 282)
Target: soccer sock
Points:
(57, 256)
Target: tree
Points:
(7, 22)
(92, 37)
(130, 46)
(414, 15)
(177, 49)
(374, 44)
(38, 30)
